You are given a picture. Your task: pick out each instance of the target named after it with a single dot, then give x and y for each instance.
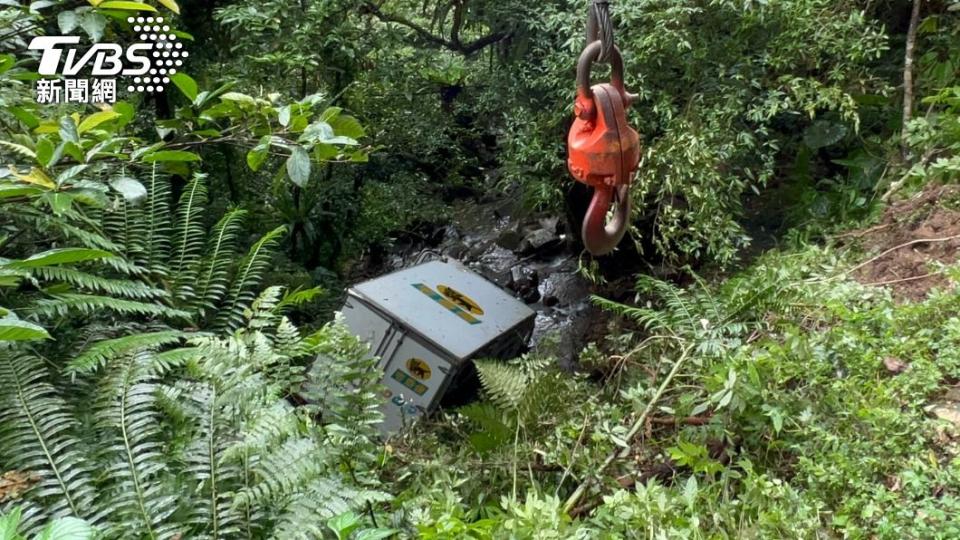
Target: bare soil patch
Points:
(912, 236)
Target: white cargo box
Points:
(424, 323)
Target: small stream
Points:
(529, 256)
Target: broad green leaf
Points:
(171, 155)
(347, 126)
(59, 256)
(238, 97)
(344, 524)
(59, 201)
(375, 534)
(186, 84)
(6, 62)
(255, 158)
(9, 523)
(122, 4)
(28, 118)
(171, 5)
(10, 190)
(324, 152)
(18, 330)
(298, 166)
(45, 151)
(67, 528)
(67, 21)
(126, 111)
(283, 116)
(131, 189)
(93, 24)
(96, 119)
(823, 133)
(68, 130)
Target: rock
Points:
(953, 394)
(525, 282)
(510, 239)
(457, 250)
(947, 411)
(539, 240)
(550, 224)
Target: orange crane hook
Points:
(603, 151)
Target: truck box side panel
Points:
(416, 376)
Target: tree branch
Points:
(453, 44)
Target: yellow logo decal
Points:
(419, 369)
(457, 308)
(460, 299)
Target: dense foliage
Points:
(171, 366)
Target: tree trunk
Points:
(908, 78)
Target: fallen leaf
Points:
(894, 364)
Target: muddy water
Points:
(528, 255)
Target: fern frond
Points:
(188, 237)
(83, 280)
(503, 384)
(64, 304)
(130, 427)
(648, 318)
(261, 312)
(267, 428)
(283, 471)
(299, 297)
(168, 360)
(41, 436)
(101, 352)
(216, 478)
(287, 341)
(305, 517)
(252, 268)
(127, 225)
(154, 247)
(213, 274)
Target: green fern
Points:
(123, 288)
(503, 384)
(40, 436)
(248, 277)
(129, 427)
(152, 250)
(62, 305)
(214, 268)
(189, 234)
(102, 352)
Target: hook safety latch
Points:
(602, 150)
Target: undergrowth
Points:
(786, 420)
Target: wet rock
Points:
(457, 250)
(510, 239)
(538, 241)
(524, 281)
(563, 287)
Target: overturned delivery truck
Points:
(425, 324)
